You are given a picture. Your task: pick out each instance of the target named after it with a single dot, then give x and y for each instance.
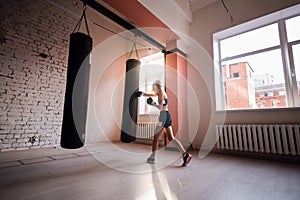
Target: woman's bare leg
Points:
(171, 137)
(186, 156)
(158, 132)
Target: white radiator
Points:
(145, 130)
(264, 138)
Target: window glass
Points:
(296, 55)
(292, 28)
(151, 69)
(260, 83)
(259, 68)
(250, 41)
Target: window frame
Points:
(286, 53)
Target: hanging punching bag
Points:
(76, 96)
(130, 104)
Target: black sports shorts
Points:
(165, 118)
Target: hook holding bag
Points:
(134, 48)
(83, 16)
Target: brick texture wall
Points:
(34, 42)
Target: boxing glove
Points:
(138, 93)
(150, 101)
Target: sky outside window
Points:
(296, 54)
(250, 41)
(293, 29)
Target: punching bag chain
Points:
(83, 16)
(134, 48)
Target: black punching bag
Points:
(130, 104)
(76, 96)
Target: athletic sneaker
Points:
(151, 160)
(186, 159)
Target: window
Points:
(296, 68)
(293, 37)
(292, 26)
(235, 75)
(264, 54)
(274, 103)
(281, 93)
(264, 37)
(151, 69)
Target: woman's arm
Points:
(160, 102)
(152, 103)
(148, 94)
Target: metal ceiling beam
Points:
(114, 17)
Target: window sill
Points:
(293, 109)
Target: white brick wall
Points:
(31, 87)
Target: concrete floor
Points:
(119, 171)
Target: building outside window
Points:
(259, 62)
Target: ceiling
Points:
(136, 14)
(139, 16)
(198, 4)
